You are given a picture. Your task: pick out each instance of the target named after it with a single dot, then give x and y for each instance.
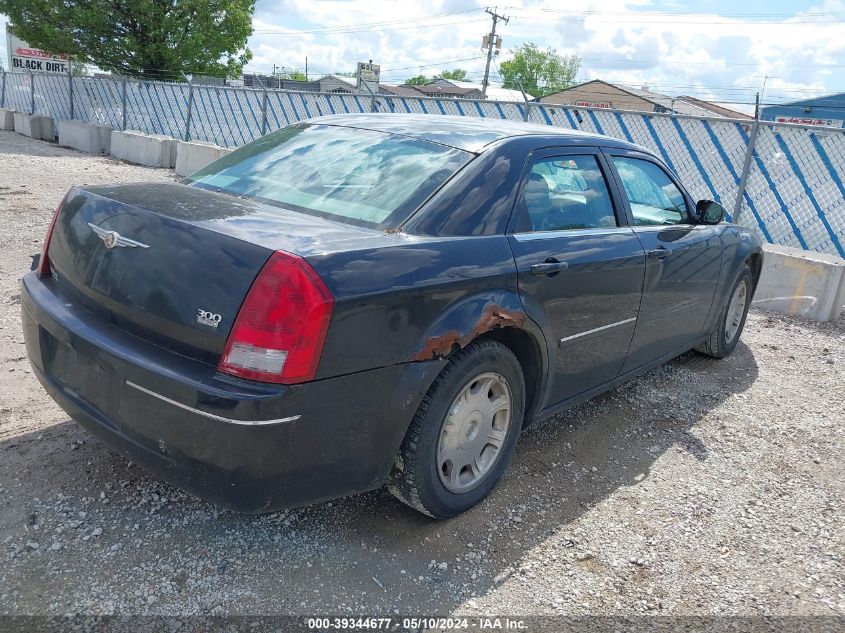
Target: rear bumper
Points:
(243, 445)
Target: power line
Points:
(677, 13)
(345, 27)
(713, 63)
(648, 17)
(367, 29)
(705, 91)
(440, 63)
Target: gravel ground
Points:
(704, 487)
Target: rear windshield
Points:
(348, 174)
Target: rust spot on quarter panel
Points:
(493, 317)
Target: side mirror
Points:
(709, 212)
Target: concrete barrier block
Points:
(85, 137)
(801, 282)
(35, 126)
(7, 119)
(194, 155)
(152, 150)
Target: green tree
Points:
(79, 69)
(292, 73)
(539, 72)
(154, 39)
(419, 80)
(456, 74)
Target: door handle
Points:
(658, 253)
(548, 267)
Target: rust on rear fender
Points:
(494, 316)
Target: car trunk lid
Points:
(172, 264)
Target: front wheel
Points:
(731, 321)
(463, 434)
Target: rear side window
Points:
(565, 193)
(348, 174)
(654, 198)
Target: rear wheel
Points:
(728, 328)
(463, 434)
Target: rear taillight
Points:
(280, 329)
(44, 269)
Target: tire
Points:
(725, 336)
(417, 479)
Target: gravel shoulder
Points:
(704, 487)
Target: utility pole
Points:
(491, 44)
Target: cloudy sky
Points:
(714, 49)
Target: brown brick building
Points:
(601, 94)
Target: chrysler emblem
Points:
(112, 238)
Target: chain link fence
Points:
(784, 181)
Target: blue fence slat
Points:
(658, 142)
(800, 175)
(834, 176)
(765, 173)
(624, 127)
(696, 161)
(595, 121)
(152, 98)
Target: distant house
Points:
(334, 83)
(469, 90)
(603, 94)
(828, 110)
(446, 88)
(715, 108)
(348, 85)
(400, 91)
(493, 92)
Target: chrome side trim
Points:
(206, 413)
(659, 228)
(598, 329)
(547, 235)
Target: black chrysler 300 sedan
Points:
(369, 299)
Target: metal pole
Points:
(31, 93)
(123, 106)
(746, 169)
(3, 92)
(70, 87)
(263, 110)
(746, 164)
(490, 44)
(373, 105)
(187, 135)
(527, 114)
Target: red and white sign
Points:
(593, 104)
(25, 58)
(809, 121)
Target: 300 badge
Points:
(210, 319)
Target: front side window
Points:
(563, 193)
(347, 174)
(654, 198)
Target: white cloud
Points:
(627, 41)
(702, 54)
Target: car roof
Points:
(467, 133)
